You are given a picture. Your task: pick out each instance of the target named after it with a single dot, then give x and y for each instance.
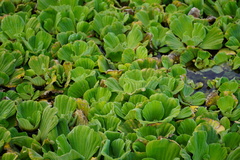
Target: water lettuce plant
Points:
(128, 79)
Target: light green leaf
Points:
(5, 137)
(43, 4)
(182, 25)
(48, 122)
(4, 78)
(86, 63)
(232, 43)
(217, 152)
(7, 63)
(113, 85)
(142, 15)
(39, 64)
(220, 57)
(65, 105)
(197, 145)
(97, 95)
(12, 25)
(66, 24)
(213, 39)
(29, 115)
(7, 109)
(236, 62)
(234, 155)
(134, 36)
(165, 129)
(187, 126)
(226, 104)
(231, 140)
(153, 111)
(173, 42)
(229, 86)
(162, 149)
(78, 88)
(232, 31)
(85, 141)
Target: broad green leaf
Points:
(97, 95)
(65, 105)
(100, 21)
(71, 155)
(232, 43)
(43, 4)
(39, 64)
(7, 7)
(229, 86)
(12, 25)
(7, 63)
(183, 139)
(213, 39)
(212, 136)
(16, 77)
(171, 105)
(117, 149)
(26, 91)
(48, 122)
(162, 149)
(141, 52)
(71, 51)
(7, 109)
(145, 131)
(177, 70)
(196, 99)
(137, 98)
(85, 141)
(234, 155)
(66, 24)
(4, 78)
(165, 130)
(113, 85)
(29, 115)
(153, 111)
(226, 104)
(108, 122)
(236, 62)
(63, 145)
(142, 15)
(37, 81)
(78, 88)
(185, 113)
(217, 152)
(197, 145)
(173, 42)
(9, 156)
(5, 137)
(25, 141)
(42, 41)
(166, 61)
(221, 57)
(231, 140)
(198, 33)
(134, 37)
(159, 34)
(232, 31)
(128, 55)
(182, 25)
(187, 126)
(188, 55)
(86, 63)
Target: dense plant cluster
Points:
(108, 79)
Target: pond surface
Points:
(223, 70)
